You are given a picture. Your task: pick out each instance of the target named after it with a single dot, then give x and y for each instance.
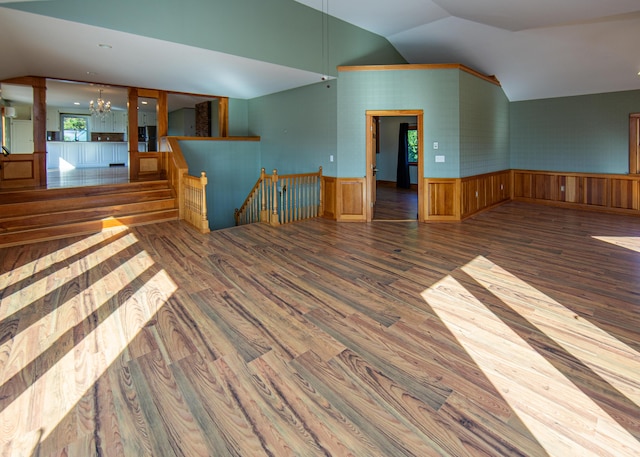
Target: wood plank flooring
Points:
(393, 204)
(516, 332)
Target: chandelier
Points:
(100, 107)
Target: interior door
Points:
(373, 144)
(370, 177)
(375, 138)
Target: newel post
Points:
(320, 196)
(204, 221)
(274, 220)
(264, 212)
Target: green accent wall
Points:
(182, 122)
(484, 127)
(238, 117)
(232, 168)
(436, 92)
(584, 134)
(297, 128)
(282, 32)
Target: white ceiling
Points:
(536, 48)
(33, 45)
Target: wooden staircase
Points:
(28, 216)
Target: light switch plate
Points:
(435, 145)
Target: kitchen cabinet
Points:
(54, 154)
(114, 122)
(120, 122)
(146, 118)
(86, 154)
(53, 120)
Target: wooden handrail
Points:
(280, 199)
(190, 190)
(248, 206)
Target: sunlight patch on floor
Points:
(51, 327)
(43, 404)
(42, 263)
(27, 295)
(629, 242)
(563, 419)
(607, 356)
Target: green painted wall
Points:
(297, 128)
(182, 122)
(238, 117)
(282, 32)
(434, 91)
(587, 134)
(484, 126)
(232, 168)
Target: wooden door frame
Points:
(370, 146)
(634, 143)
(32, 168)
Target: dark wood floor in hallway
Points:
(516, 332)
(394, 204)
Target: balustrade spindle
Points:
(279, 199)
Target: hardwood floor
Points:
(395, 204)
(516, 332)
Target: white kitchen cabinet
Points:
(54, 154)
(99, 124)
(112, 153)
(53, 120)
(105, 152)
(114, 122)
(121, 153)
(86, 154)
(120, 123)
(146, 118)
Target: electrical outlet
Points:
(561, 188)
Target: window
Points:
(76, 127)
(412, 137)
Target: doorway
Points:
(387, 201)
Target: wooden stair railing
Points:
(282, 199)
(192, 200)
(195, 201)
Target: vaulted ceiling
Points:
(537, 49)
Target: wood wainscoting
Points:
(344, 199)
(20, 170)
(600, 192)
(454, 199)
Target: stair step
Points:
(29, 195)
(83, 202)
(85, 227)
(33, 215)
(77, 215)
